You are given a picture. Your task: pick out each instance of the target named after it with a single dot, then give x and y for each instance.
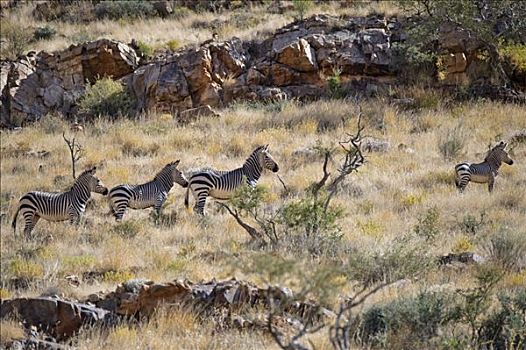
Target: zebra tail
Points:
(186, 199)
(13, 224)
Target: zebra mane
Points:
(87, 171)
(500, 146)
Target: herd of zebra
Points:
(206, 182)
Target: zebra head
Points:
(177, 175)
(500, 154)
(265, 159)
(92, 182)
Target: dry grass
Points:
(189, 29)
(385, 199)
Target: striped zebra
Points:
(484, 172)
(222, 184)
(60, 206)
(150, 194)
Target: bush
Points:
(144, 50)
(452, 143)
(301, 7)
(506, 248)
(44, 33)
(105, 97)
(418, 318)
(505, 328)
(124, 9)
(15, 40)
(401, 259)
(427, 226)
(173, 44)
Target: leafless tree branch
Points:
(76, 152)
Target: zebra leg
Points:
(491, 183)
(119, 211)
(199, 207)
(30, 223)
(159, 203)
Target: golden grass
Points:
(395, 189)
(190, 29)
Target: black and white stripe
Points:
(61, 206)
(222, 184)
(484, 172)
(150, 194)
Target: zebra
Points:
(150, 194)
(222, 184)
(59, 206)
(484, 172)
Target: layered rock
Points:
(38, 84)
(294, 63)
(229, 303)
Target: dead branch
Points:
(76, 152)
(255, 234)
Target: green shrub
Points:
(505, 328)
(105, 97)
(506, 248)
(301, 7)
(335, 84)
(418, 318)
(15, 40)
(427, 226)
(144, 50)
(173, 44)
(470, 224)
(515, 55)
(44, 33)
(451, 143)
(124, 9)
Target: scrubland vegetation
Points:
(395, 216)
(387, 225)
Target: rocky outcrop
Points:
(229, 303)
(37, 84)
(294, 63)
(57, 317)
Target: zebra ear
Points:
(266, 147)
(93, 170)
(176, 163)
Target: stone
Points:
(60, 318)
(298, 55)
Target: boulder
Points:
(33, 86)
(58, 317)
(298, 55)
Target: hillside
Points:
(436, 269)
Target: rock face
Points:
(294, 63)
(59, 318)
(38, 84)
(229, 303)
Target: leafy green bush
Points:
(173, 44)
(124, 9)
(15, 40)
(144, 50)
(470, 224)
(105, 97)
(418, 318)
(44, 33)
(427, 226)
(505, 328)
